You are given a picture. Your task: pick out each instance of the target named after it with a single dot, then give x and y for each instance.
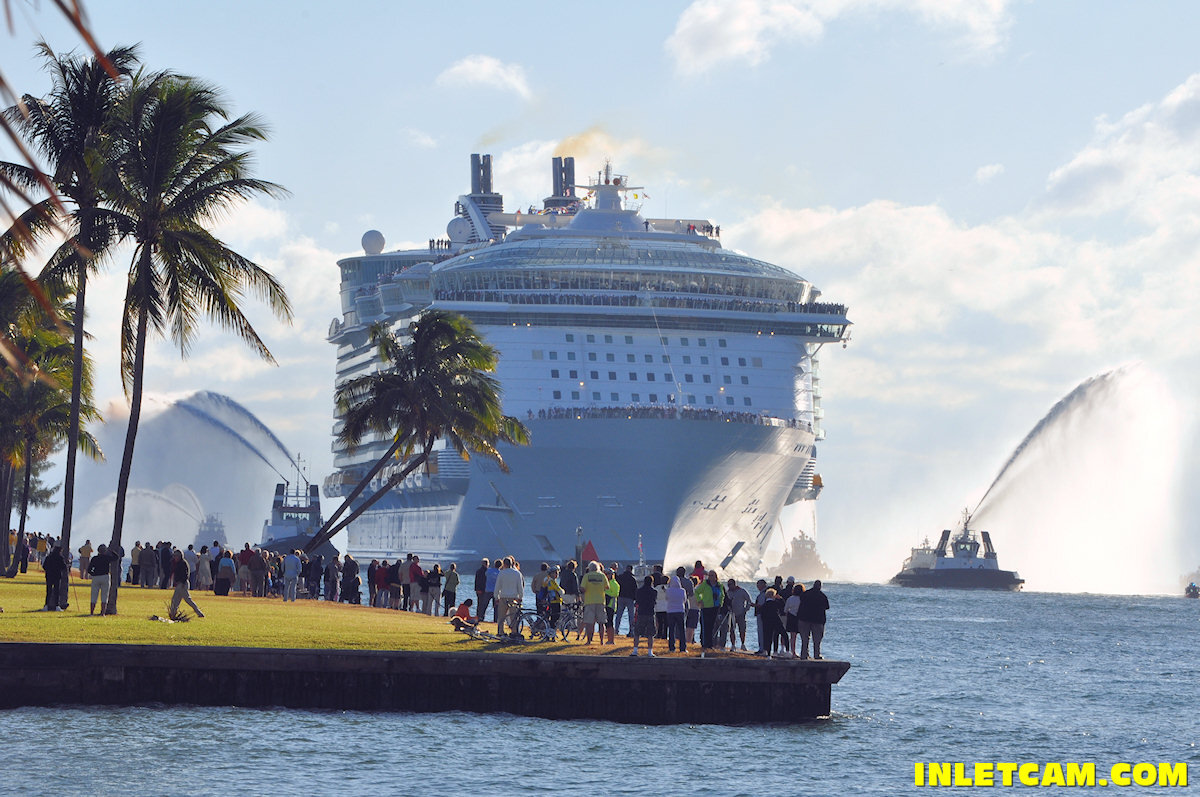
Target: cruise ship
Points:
(670, 385)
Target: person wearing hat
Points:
(554, 596)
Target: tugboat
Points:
(210, 531)
(295, 518)
(1191, 591)
(956, 564)
(803, 561)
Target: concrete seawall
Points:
(657, 691)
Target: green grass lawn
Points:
(246, 622)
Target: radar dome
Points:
(372, 242)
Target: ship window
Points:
(629, 358)
(610, 358)
(746, 401)
(708, 379)
(756, 362)
(691, 398)
(721, 342)
(558, 394)
(608, 338)
(554, 374)
(704, 360)
(666, 358)
(632, 376)
(728, 379)
(745, 380)
(614, 396)
(570, 355)
(575, 395)
(702, 341)
(635, 397)
(666, 377)
(591, 338)
(729, 399)
(663, 341)
(687, 359)
(570, 338)
(688, 378)
(648, 357)
(574, 374)
(629, 339)
(724, 361)
(591, 356)
(595, 395)
(612, 376)
(649, 377)
(538, 354)
(683, 341)
(707, 399)
(596, 374)
(742, 361)
(553, 355)
(653, 397)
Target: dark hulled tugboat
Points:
(956, 563)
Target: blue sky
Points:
(1007, 195)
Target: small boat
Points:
(956, 563)
(1191, 591)
(803, 561)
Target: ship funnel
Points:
(989, 552)
(562, 181)
(481, 174)
(941, 546)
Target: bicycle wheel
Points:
(519, 625)
(539, 628)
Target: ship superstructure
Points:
(670, 385)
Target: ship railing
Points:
(605, 298)
(640, 411)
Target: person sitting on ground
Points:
(462, 618)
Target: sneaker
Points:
(817, 657)
(743, 649)
(651, 654)
(58, 608)
(633, 655)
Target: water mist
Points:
(1088, 501)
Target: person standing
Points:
(482, 596)
(760, 601)
(85, 555)
(594, 586)
(813, 605)
(510, 586)
(98, 571)
(258, 573)
(450, 589)
(433, 588)
(54, 567)
(643, 619)
(182, 575)
(371, 569)
(739, 605)
(676, 605)
(492, 573)
(291, 575)
(710, 595)
(148, 572)
(191, 558)
(627, 590)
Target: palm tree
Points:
(35, 405)
(436, 386)
(67, 129)
(175, 161)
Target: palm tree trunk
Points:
(6, 475)
(135, 413)
(327, 534)
(29, 441)
(357, 491)
(76, 393)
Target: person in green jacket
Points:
(610, 606)
(711, 596)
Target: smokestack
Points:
(568, 177)
(476, 174)
(485, 177)
(556, 175)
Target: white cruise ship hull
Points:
(693, 489)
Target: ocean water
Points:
(935, 676)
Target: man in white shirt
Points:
(510, 586)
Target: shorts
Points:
(644, 626)
(593, 613)
(693, 618)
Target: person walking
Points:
(181, 574)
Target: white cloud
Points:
(419, 138)
(712, 32)
(484, 70)
(985, 174)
